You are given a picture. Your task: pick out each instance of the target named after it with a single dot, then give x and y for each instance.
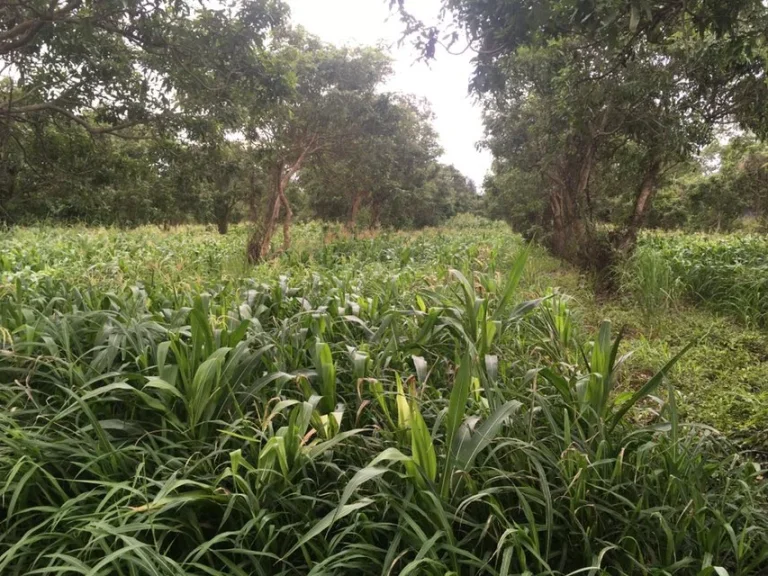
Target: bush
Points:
(648, 277)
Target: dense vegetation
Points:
(592, 105)
(128, 113)
(404, 404)
(296, 349)
(724, 189)
(727, 273)
(595, 112)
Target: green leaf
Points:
(513, 280)
(160, 384)
(421, 444)
(327, 371)
(328, 520)
(648, 387)
(457, 408)
(471, 444)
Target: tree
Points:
(227, 77)
(725, 188)
(105, 65)
(572, 86)
(225, 177)
(446, 192)
(383, 167)
(570, 130)
(318, 113)
(160, 70)
(344, 177)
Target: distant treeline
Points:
(63, 174)
(129, 113)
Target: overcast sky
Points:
(443, 82)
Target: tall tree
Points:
(317, 114)
(573, 85)
(227, 76)
(105, 65)
(131, 69)
(382, 167)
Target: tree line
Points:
(127, 112)
(599, 114)
(723, 189)
(592, 107)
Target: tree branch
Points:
(90, 128)
(24, 32)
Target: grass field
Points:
(726, 273)
(714, 289)
(441, 402)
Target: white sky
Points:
(443, 82)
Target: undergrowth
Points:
(726, 274)
(403, 404)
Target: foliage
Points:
(513, 195)
(649, 277)
(724, 190)
(170, 113)
(391, 170)
(721, 382)
(330, 86)
(384, 167)
(110, 66)
(404, 403)
(590, 104)
(727, 273)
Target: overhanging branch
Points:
(114, 130)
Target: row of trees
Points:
(166, 110)
(130, 112)
(723, 188)
(593, 104)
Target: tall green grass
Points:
(397, 405)
(728, 274)
(648, 276)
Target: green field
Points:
(440, 402)
(726, 273)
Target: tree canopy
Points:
(131, 112)
(587, 100)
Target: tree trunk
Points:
(262, 243)
(375, 216)
(643, 203)
(570, 183)
(559, 232)
(7, 175)
(222, 212)
(568, 230)
(357, 201)
(287, 221)
(260, 240)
